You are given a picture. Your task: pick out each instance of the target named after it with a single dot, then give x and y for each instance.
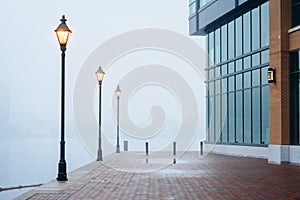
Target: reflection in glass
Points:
(256, 115)
(217, 117)
(224, 42)
(239, 117)
(231, 40)
(238, 36)
(247, 116)
(217, 46)
(211, 134)
(211, 48)
(256, 77)
(265, 102)
(231, 117)
(265, 56)
(247, 32)
(255, 29)
(265, 24)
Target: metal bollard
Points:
(147, 148)
(174, 152)
(201, 147)
(125, 145)
(147, 151)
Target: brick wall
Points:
(280, 23)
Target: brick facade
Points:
(280, 23)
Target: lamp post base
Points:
(62, 171)
(99, 157)
(118, 149)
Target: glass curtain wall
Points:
(238, 90)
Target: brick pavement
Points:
(127, 176)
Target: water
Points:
(34, 160)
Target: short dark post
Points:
(147, 151)
(125, 145)
(147, 148)
(174, 152)
(201, 147)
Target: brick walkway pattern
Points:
(127, 176)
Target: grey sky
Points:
(30, 55)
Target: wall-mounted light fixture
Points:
(271, 75)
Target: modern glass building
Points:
(247, 115)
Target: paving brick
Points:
(127, 176)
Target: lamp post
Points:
(118, 94)
(100, 75)
(63, 33)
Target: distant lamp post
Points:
(271, 75)
(100, 75)
(118, 94)
(63, 33)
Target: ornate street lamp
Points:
(100, 75)
(63, 33)
(118, 94)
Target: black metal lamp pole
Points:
(118, 94)
(63, 33)
(100, 75)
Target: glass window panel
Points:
(265, 107)
(256, 77)
(239, 81)
(207, 90)
(247, 62)
(265, 24)
(217, 46)
(224, 118)
(256, 115)
(247, 116)
(231, 68)
(207, 74)
(255, 29)
(211, 88)
(294, 60)
(211, 48)
(239, 65)
(295, 13)
(231, 117)
(224, 85)
(203, 2)
(239, 117)
(224, 42)
(192, 8)
(217, 86)
(231, 83)
(224, 69)
(247, 32)
(212, 119)
(231, 49)
(217, 117)
(217, 72)
(247, 80)
(211, 74)
(238, 36)
(264, 75)
(265, 56)
(255, 59)
(207, 115)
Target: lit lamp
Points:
(100, 75)
(63, 33)
(118, 94)
(271, 75)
